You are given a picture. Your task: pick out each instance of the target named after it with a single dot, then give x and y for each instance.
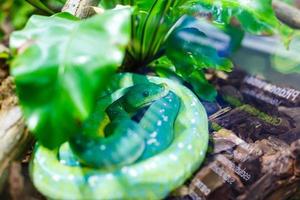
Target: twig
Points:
(287, 14)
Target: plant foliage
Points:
(62, 66)
(63, 63)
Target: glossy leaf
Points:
(61, 67)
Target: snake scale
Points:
(143, 159)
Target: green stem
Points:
(38, 4)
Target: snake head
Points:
(142, 95)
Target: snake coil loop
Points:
(143, 159)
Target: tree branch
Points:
(80, 8)
(287, 14)
(14, 139)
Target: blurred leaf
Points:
(13, 15)
(236, 34)
(190, 49)
(62, 66)
(255, 16)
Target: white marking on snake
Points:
(147, 167)
(71, 177)
(173, 157)
(56, 177)
(93, 180)
(102, 147)
(165, 118)
(152, 165)
(133, 173)
(154, 134)
(151, 141)
(82, 59)
(40, 176)
(109, 176)
(124, 169)
(63, 162)
(159, 123)
(42, 160)
(180, 145)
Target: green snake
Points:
(125, 132)
(138, 160)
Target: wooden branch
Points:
(287, 14)
(14, 139)
(80, 8)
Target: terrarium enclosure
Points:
(150, 99)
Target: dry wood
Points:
(272, 167)
(14, 140)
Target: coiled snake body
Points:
(137, 160)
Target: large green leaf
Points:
(61, 67)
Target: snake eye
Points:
(146, 94)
